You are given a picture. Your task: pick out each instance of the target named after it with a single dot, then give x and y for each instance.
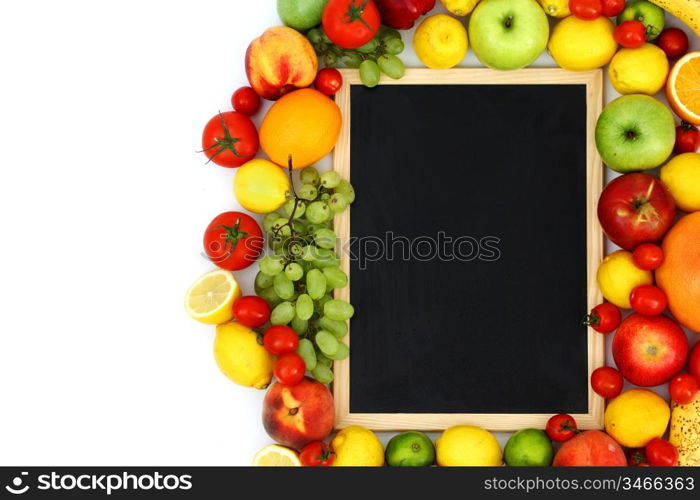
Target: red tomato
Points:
(674, 42)
(328, 81)
(289, 368)
(246, 101)
(317, 454)
(230, 139)
(648, 256)
(661, 453)
(694, 361)
(280, 340)
(683, 388)
(636, 457)
(561, 427)
(351, 23)
(251, 311)
(587, 10)
(648, 300)
(687, 138)
(630, 34)
(604, 318)
(233, 241)
(607, 382)
(612, 8)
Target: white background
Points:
(103, 204)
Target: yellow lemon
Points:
(579, 45)
(440, 41)
(639, 71)
(211, 297)
(636, 417)
(556, 8)
(274, 455)
(356, 446)
(240, 356)
(261, 186)
(617, 277)
(460, 7)
(467, 445)
(682, 176)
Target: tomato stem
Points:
(591, 320)
(228, 142)
(355, 12)
(233, 235)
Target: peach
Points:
(296, 415)
(280, 61)
(590, 448)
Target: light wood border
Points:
(596, 344)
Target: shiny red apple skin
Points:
(649, 350)
(634, 209)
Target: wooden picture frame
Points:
(593, 81)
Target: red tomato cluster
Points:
(282, 341)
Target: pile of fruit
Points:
(293, 328)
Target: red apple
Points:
(694, 361)
(590, 448)
(635, 208)
(296, 415)
(649, 350)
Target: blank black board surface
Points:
(498, 331)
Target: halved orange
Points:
(683, 88)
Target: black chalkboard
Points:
(493, 327)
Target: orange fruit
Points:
(683, 88)
(679, 275)
(304, 124)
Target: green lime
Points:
(529, 447)
(410, 449)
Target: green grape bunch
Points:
(300, 273)
(377, 56)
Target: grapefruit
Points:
(679, 275)
(304, 125)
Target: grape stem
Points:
(289, 256)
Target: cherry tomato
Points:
(289, 368)
(630, 34)
(648, 300)
(636, 457)
(674, 42)
(246, 101)
(351, 23)
(612, 8)
(661, 453)
(683, 388)
(687, 138)
(607, 382)
(694, 361)
(648, 256)
(561, 427)
(604, 318)
(280, 340)
(233, 241)
(317, 454)
(587, 10)
(328, 81)
(251, 311)
(230, 139)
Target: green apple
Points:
(301, 14)
(508, 34)
(635, 132)
(652, 16)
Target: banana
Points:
(684, 433)
(687, 11)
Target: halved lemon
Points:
(274, 455)
(683, 88)
(210, 299)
